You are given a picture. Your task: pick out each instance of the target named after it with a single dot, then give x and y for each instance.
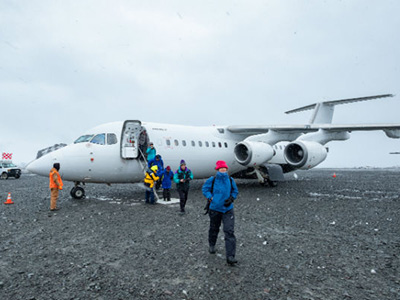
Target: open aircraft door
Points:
(130, 139)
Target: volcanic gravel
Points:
(314, 236)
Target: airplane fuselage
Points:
(88, 162)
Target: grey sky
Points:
(67, 66)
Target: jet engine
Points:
(304, 154)
(253, 153)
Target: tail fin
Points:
(323, 111)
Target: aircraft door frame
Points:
(130, 139)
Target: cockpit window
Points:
(99, 139)
(111, 139)
(84, 138)
(9, 165)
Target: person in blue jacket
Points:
(167, 177)
(157, 161)
(150, 152)
(220, 191)
(182, 179)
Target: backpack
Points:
(212, 184)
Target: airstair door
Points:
(130, 139)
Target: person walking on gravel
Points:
(220, 191)
(149, 180)
(55, 184)
(182, 179)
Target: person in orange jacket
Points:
(55, 185)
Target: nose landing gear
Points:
(77, 192)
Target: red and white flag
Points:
(7, 155)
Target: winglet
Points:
(323, 111)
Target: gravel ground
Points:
(316, 237)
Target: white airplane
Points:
(109, 153)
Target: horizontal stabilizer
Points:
(323, 111)
(338, 102)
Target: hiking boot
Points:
(211, 249)
(231, 260)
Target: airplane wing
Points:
(307, 128)
(321, 121)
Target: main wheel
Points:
(17, 176)
(4, 175)
(77, 192)
(272, 183)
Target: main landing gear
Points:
(269, 174)
(77, 192)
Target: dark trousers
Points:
(183, 195)
(149, 194)
(167, 194)
(228, 220)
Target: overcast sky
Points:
(67, 66)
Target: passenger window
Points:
(219, 144)
(176, 143)
(99, 139)
(213, 144)
(280, 147)
(184, 143)
(207, 144)
(200, 144)
(84, 138)
(193, 143)
(168, 142)
(226, 145)
(111, 139)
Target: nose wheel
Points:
(77, 192)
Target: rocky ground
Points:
(312, 237)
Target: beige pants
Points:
(53, 198)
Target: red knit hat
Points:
(221, 164)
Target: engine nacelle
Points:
(253, 153)
(304, 154)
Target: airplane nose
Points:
(42, 165)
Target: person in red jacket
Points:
(55, 185)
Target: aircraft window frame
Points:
(84, 138)
(200, 143)
(176, 142)
(168, 142)
(183, 143)
(219, 145)
(193, 144)
(101, 142)
(207, 144)
(280, 147)
(226, 144)
(213, 144)
(112, 139)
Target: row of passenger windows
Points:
(99, 139)
(111, 139)
(199, 143)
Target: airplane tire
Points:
(4, 175)
(77, 192)
(17, 176)
(272, 183)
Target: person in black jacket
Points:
(182, 179)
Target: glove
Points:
(228, 201)
(207, 207)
